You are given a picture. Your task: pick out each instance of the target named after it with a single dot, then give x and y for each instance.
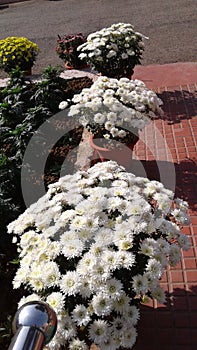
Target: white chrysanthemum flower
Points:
(37, 284)
(161, 258)
(80, 315)
(99, 118)
(99, 272)
(56, 300)
(74, 198)
(140, 284)
(125, 243)
(121, 303)
(63, 105)
(66, 217)
(29, 237)
(180, 216)
(158, 294)
(182, 205)
(174, 254)
(66, 329)
(127, 259)
(146, 249)
(36, 270)
(109, 125)
(98, 331)
(72, 248)
(114, 132)
(154, 267)
(86, 264)
(112, 116)
(122, 133)
(129, 337)
(73, 110)
(184, 241)
(86, 287)
(70, 283)
(132, 315)
(113, 288)
(104, 237)
(51, 274)
(101, 304)
(31, 297)
(118, 325)
(163, 245)
(111, 259)
(138, 207)
(78, 223)
(77, 344)
(25, 220)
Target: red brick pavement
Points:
(167, 151)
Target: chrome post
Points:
(34, 325)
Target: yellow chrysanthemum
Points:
(17, 52)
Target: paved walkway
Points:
(168, 149)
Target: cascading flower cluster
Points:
(17, 52)
(93, 247)
(113, 51)
(113, 108)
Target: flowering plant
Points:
(115, 109)
(67, 49)
(93, 247)
(16, 52)
(113, 51)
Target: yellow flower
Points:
(17, 52)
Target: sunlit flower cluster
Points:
(17, 52)
(113, 108)
(113, 51)
(93, 247)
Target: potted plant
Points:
(67, 50)
(114, 111)
(113, 51)
(95, 247)
(17, 53)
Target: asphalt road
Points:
(171, 25)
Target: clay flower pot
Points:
(119, 152)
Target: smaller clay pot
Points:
(121, 153)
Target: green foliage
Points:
(24, 106)
(5, 332)
(50, 91)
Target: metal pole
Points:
(34, 325)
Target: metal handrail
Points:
(34, 326)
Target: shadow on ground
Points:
(179, 105)
(185, 176)
(171, 326)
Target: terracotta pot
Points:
(121, 153)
